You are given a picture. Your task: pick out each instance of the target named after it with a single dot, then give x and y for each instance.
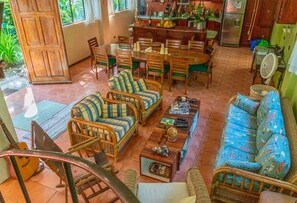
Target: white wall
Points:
(4, 114)
(76, 38)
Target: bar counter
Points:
(161, 34)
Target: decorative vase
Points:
(200, 25)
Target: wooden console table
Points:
(161, 34)
(177, 149)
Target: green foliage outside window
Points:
(120, 5)
(10, 51)
(71, 11)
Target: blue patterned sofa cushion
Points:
(149, 97)
(120, 125)
(228, 153)
(244, 165)
(275, 157)
(246, 104)
(237, 116)
(115, 110)
(270, 101)
(272, 124)
(90, 108)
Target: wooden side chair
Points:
(196, 45)
(92, 43)
(102, 60)
(205, 69)
(179, 70)
(172, 43)
(155, 65)
(145, 42)
(124, 61)
(123, 40)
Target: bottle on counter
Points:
(150, 21)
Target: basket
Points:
(258, 91)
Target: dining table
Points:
(195, 57)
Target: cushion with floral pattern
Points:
(246, 104)
(244, 165)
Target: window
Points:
(72, 11)
(120, 5)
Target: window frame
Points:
(126, 7)
(72, 16)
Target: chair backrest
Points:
(41, 141)
(93, 43)
(211, 59)
(100, 55)
(196, 45)
(124, 58)
(145, 42)
(180, 66)
(172, 43)
(155, 60)
(123, 40)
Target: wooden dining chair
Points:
(103, 60)
(123, 40)
(145, 42)
(172, 43)
(196, 45)
(205, 69)
(155, 65)
(92, 43)
(124, 61)
(179, 70)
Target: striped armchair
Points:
(145, 94)
(113, 121)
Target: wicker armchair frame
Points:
(226, 192)
(195, 183)
(142, 112)
(80, 130)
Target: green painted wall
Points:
(287, 40)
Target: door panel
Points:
(49, 31)
(38, 61)
(31, 32)
(41, 38)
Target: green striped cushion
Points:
(149, 97)
(128, 81)
(121, 126)
(90, 108)
(142, 84)
(122, 82)
(115, 110)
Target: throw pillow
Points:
(275, 157)
(272, 124)
(142, 84)
(190, 199)
(115, 110)
(246, 104)
(244, 165)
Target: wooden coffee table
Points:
(178, 149)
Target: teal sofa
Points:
(257, 150)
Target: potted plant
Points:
(200, 14)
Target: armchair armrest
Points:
(132, 108)
(131, 180)
(197, 186)
(262, 181)
(153, 84)
(126, 97)
(87, 129)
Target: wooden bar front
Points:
(161, 34)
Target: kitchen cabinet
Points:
(259, 20)
(214, 25)
(286, 12)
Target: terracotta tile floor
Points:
(230, 75)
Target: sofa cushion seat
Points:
(228, 153)
(245, 144)
(121, 125)
(149, 97)
(241, 118)
(239, 132)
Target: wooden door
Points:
(286, 12)
(40, 34)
